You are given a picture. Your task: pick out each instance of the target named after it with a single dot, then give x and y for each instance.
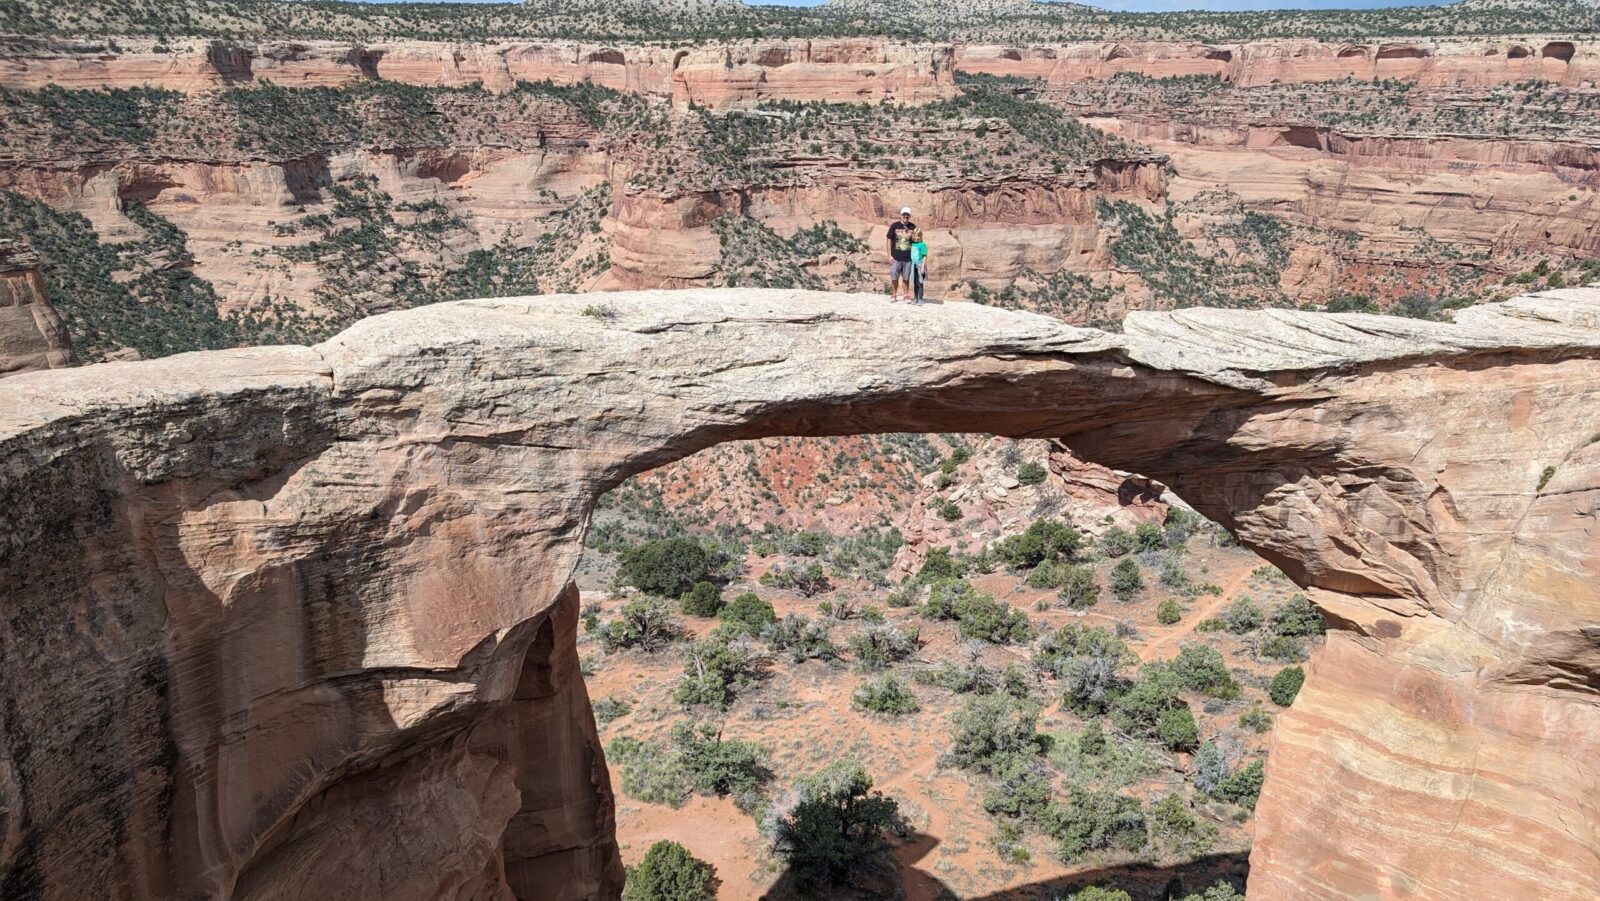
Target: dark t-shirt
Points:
(900, 240)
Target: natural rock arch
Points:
(296, 622)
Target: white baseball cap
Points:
(905, 209)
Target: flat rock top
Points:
(1235, 348)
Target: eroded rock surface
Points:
(32, 335)
(297, 622)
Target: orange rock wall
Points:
(32, 335)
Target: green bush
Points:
(800, 639)
(879, 647)
(649, 774)
(1079, 588)
(1095, 820)
(1169, 612)
(1031, 473)
(1286, 685)
(940, 565)
(1139, 709)
(705, 599)
(807, 580)
(1296, 617)
(1126, 580)
(1022, 789)
(1219, 891)
(1115, 542)
(1281, 648)
(833, 832)
(949, 511)
(1241, 616)
(987, 619)
(1088, 661)
(643, 623)
(1178, 730)
(1044, 539)
(1174, 825)
(1099, 893)
(669, 873)
(1147, 536)
(885, 694)
(1244, 786)
(609, 709)
(722, 767)
(1256, 720)
(715, 669)
(1202, 669)
(747, 614)
(988, 729)
(667, 566)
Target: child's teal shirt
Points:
(919, 252)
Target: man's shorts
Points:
(900, 269)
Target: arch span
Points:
(297, 622)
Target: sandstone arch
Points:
(295, 622)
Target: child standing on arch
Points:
(919, 264)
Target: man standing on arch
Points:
(900, 254)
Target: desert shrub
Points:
(669, 872)
(704, 599)
(1021, 790)
(1281, 648)
(1243, 787)
(642, 623)
(715, 669)
(747, 614)
(1044, 539)
(1014, 681)
(987, 619)
(1286, 685)
(880, 647)
(608, 709)
(1147, 536)
(1126, 580)
(722, 767)
(1095, 820)
(667, 566)
(948, 510)
(806, 579)
(939, 565)
(1202, 669)
(1099, 893)
(1079, 588)
(1088, 661)
(1172, 576)
(1031, 473)
(649, 774)
(1177, 729)
(799, 639)
(1180, 525)
(1091, 756)
(1116, 542)
(1256, 720)
(1169, 612)
(1241, 616)
(964, 679)
(1296, 617)
(1210, 767)
(988, 729)
(831, 830)
(1138, 710)
(1219, 891)
(1051, 574)
(885, 694)
(1178, 830)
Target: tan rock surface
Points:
(289, 619)
(32, 335)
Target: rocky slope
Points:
(263, 605)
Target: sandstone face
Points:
(32, 335)
(291, 622)
(720, 75)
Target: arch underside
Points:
(297, 622)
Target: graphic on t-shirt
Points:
(900, 240)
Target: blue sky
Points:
(1159, 5)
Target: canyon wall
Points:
(290, 622)
(716, 75)
(32, 335)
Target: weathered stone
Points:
(297, 622)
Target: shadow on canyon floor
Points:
(1144, 882)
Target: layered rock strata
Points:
(32, 335)
(296, 622)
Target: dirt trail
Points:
(1195, 616)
